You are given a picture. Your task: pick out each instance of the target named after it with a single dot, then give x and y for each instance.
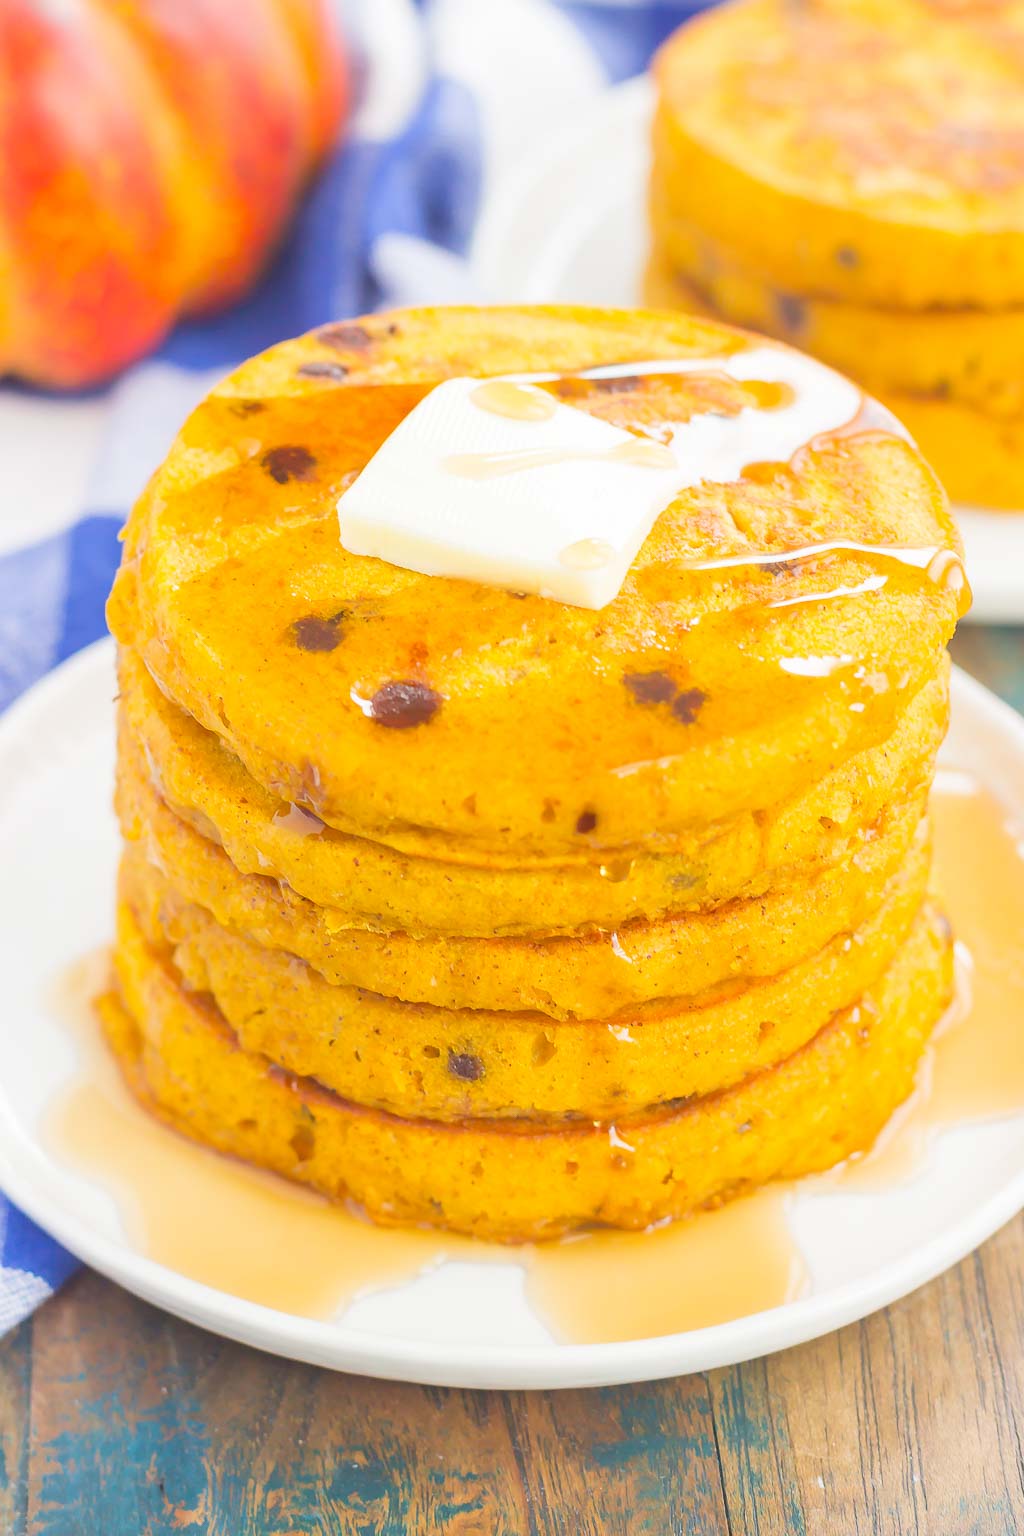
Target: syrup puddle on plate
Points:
(257, 1237)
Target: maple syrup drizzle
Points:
(974, 1069)
(503, 397)
(294, 819)
(933, 563)
(522, 399)
(641, 452)
(255, 1236)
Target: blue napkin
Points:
(449, 94)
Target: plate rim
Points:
(556, 1365)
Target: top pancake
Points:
(546, 728)
(869, 150)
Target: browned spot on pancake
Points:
(303, 1143)
(322, 371)
(650, 687)
(462, 1064)
(623, 384)
(550, 810)
(289, 461)
(574, 385)
(687, 705)
(400, 706)
(247, 407)
(586, 821)
(316, 633)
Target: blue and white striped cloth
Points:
(450, 94)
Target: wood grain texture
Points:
(15, 1386)
(622, 1459)
(118, 1421)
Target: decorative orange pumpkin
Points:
(150, 154)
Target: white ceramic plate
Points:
(461, 1324)
(571, 227)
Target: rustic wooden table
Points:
(118, 1421)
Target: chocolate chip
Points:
(248, 407)
(315, 633)
(347, 338)
(687, 705)
(402, 705)
(469, 1068)
(650, 687)
(847, 257)
(586, 821)
(322, 371)
(290, 461)
(792, 312)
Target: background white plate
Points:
(571, 227)
(462, 1324)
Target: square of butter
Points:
(555, 513)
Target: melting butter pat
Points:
(535, 497)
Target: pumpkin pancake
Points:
(511, 1183)
(981, 457)
(594, 975)
(531, 727)
(442, 1064)
(870, 151)
(971, 356)
(368, 884)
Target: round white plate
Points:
(461, 1324)
(571, 227)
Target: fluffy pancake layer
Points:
(828, 1099)
(590, 976)
(737, 718)
(974, 357)
(445, 1064)
(369, 885)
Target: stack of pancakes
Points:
(848, 175)
(486, 912)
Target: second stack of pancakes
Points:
(489, 913)
(849, 176)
